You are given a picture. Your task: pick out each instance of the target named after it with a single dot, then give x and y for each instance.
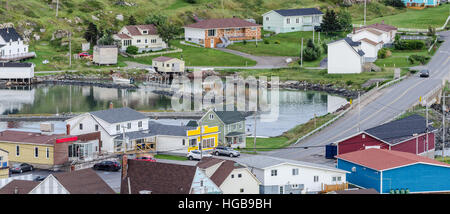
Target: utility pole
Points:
(427, 123)
(365, 12)
(301, 55)
(201, 140)
(254, 133)
(124, 140)
(70, 49)
(319, 37)
(359, 111)
(443, 124)
(57, 7)
(313, 35)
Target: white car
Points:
(195, 155)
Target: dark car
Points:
(424, 73)
(39, 178)
(228, 151)
(107, 165)
(21, 167)
(317, 28)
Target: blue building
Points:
(388, 170)
(421, 3)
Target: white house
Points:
(370, 49)
(284, 176)
(378, 32)
(345, 57)
(18, 72)
(168, 64)
(12, 46)
(283, 21)
(229, 176)
(145, 37)
(112, 124)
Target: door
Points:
(281, 190)
(212, 43)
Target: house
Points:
(208, 135)
(355, 191)
(85, 181)
(112, 124)
(378, 32)
(212, 33)
(143, 177)
(370, 48)
(284, 176)
(105, 55)
(421, 3)
(12, 46)
(387, 171)
(345, 57)
(165, 64)
(144, 37)
(231, 126)
(407, 135)
(18, 72)
(283, 21)
(46, 150)
(4, 165)
(229, 176)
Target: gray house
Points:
(231, 126)
(291, 20)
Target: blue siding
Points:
(417, 178)
(363, 177)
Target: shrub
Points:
(349, 82)
(277, 42)
(418, 58)
(384, 53)
(266, 41)
(244, 42)
(132, 49)
(409, 45)
(311, 52)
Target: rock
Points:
(78, 20)
(95, 18)
(42, 30)
(36, 37)
(119, 17)
(59, 34)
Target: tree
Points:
(329, 22)
(156, 19)
(344, 19)
(91, 33)
(106, 39)
(132, 49)
(394, 3)
(311, 52)
(168, 32)
(132, 20)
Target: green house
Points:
(231, 126)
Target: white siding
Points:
(369, 49)
(172, 144)
(17, 72)
(343, 59)
(49, 186)
(247, 182)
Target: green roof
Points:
(229, 117)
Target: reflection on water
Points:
(296, 107)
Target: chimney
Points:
(16, 190)
(67, 129)
(111, 105)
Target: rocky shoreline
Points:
(329, 88)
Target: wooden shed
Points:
(105, 54)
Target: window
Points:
(339, 178)
(353, 169)
(267, 18)
(96, 127)
(145, 32)
(184, 142)
(208, 143)
(146, 41)
(118, 128)
(212, 32)
(232, 175)
(273, 172)
(288, 21)
(192, 142)
(17, 150)
(281, 190)
(153, 41)
(297, 20)
(241, 190)
(294, 186)
(36, 152)
(129, 125)
(47, 153)
(316, 178)
(81, 126)
(334, 178)
(201, 183)
(138, 41)
(239, 175)
(295, 171)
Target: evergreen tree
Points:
(311, 52)
(330, 23)
(91, 33)
(106, 39)
(156, 19)
(168, 32)
(132, 20)
(345, 21)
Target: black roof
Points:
(192, 123)
(299, 12)
(361, 53)
(9, 34)
(15, 65)
(118, 115)
(155, 129)
(229, 117)
(351, 42)
(399, 130)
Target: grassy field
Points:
(352, 81)
(412, 18)
(439, 158)
(170, 157)
(399, 59)
(288, 138)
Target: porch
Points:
(334, 187)
(133, 146)
(235, 139)
(17, 57)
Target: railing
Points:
(235, 35)
(18, 56)
(334, 187)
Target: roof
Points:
(134, 29)
(9, 34)
(299, 12)
(361, 53)
(192, 123)
(23, 187)
(221, 173)
(379, 26)
(262, 161)
(123, 36)
(351, 42)
(229, 117)
(85, 181)
(382, 159)
(30, 137)
(222, 23)
(371, 30)
(118, 115)
(155, 128)
(232, 134)
(399, 130)
(207, 162)
(357, 191)
(15, 65)
(162, 59)
(370, 41)
(157, 177)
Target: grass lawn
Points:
(399, 58)
(288, 138)
(439, 158)
(289, 44)
(170, 157)
(195, 56)
(412, 18)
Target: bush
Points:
(244, 42)
(277, 42)
(132, 49)
(266, 41)
(384, 53)
(418, 58)
(311, 52)
(409, 44)
(349, 82)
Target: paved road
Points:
(391, 102)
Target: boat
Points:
(121, 80)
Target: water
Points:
(296, 107)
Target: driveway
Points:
(262, 62)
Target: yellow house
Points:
(4, 165)
(209, 138)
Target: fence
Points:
(154, 53)
(415, 29)
(334, 187)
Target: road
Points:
(390, 103)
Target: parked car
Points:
(20, 168)
(424, 73)
(317, 28)
(39, 178)
(107, 165)
(146, 158)
(84, 54)
(228, 151)
(195, 155)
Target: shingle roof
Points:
(222, 23)
(155, 128)
(29, 137)
(15, 65)
(160, 178)
(351, 42)
(361, 53)
(192, 123)
(9, 34)
(221, 173)
(383, 159)
(134, 29)
(207, 162)
(299, 12)
(399, 130)
(23, 187)
(370, 41)
(379, 26)
(232, 134)
(162, 59)
(119, 115)
(85, 181)
(229, 117)
(123, 36)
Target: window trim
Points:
(36, 152)
(17, 150)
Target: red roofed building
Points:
(145, 37)
(387, 171)
(212, 33)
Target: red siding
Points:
(357, 143)
(410, 145)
